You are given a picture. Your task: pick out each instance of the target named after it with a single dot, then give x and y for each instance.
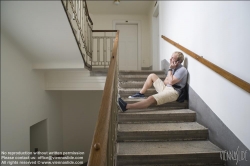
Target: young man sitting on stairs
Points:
(168, 90)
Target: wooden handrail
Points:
(98, 151)
(232, 78)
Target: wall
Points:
(24, 102)
(105, 22)
(218, 31)
(74, 79)
(153, 17)
(80, 111)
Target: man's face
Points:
(174, 58)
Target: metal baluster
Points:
(66, 5)
(81, 9)
(91, 41)
(86, 36)
(78, 12)
(74, 4)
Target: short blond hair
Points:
(180, 56)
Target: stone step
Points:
(171, 105)
(155, 115)
(140, 72)
(161, 132)
(138, 77)
(171, 153)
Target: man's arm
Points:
(171, 79)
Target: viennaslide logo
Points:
(234, 155)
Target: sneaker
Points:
(122, 104)
(137, 95)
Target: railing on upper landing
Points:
(95, 45)
(102, 48)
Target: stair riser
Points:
(136, 78)
(171, 160)
(131, 84)
(171, 105)
(126, 93)
(162, 135)
(148, 118)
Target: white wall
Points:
(73, 79)
(218, 31)
(24, 102)
(80, 112)
(105, 22)
(153, 17)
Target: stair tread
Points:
(135, 89)
(157, 111)
(132, 81)
(160, 127)
(166, 148)
(127, 89)
(141, 71)
(140, 76)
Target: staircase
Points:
(160, 135)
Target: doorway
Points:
(38, 138)
(129, 44)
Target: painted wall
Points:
(24, 102)
(105, 22)
(153, 17)
(80, 112)
(74, 79)
(218, 31)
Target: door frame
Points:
(132, 22)
(156, 38)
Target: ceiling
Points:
(125, 7)
(42, 31)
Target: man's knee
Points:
(151, 100)
(153, 77)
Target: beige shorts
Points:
(165, 94)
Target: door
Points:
(38, 141)
(128, 46)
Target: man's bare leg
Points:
(149, 82)
(142, 104)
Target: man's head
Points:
(178, 56)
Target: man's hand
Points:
(171, 80)
(173, 64)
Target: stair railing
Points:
(95, 49)
(232, 78)
(102, 48)
(82, 25)
(103, 148)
